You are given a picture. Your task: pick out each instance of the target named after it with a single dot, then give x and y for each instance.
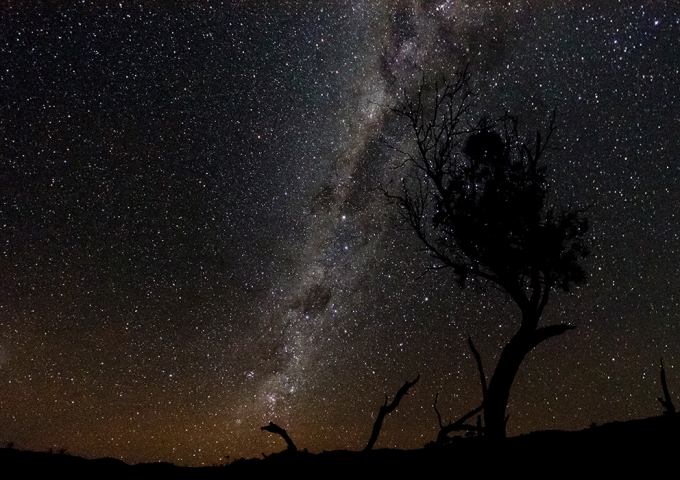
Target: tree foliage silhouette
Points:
(476, 196)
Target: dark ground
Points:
(621, 447)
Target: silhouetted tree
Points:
(475, 194)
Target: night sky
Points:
(192, 244)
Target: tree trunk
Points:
(498, 393)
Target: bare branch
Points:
(458, 425)
(386, 409)
(274, 428)
(478, 359)
(666, 402)
(439, 417)
(545, 333)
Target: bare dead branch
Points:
(386, 409)
(458, 425)
(274, 428)
(478, 359)
(544, 333)
(436, 410)
(666, 402)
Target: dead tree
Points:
(274, 428)
(386, 409)
(666, 402)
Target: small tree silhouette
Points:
(475, 194)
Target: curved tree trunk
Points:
(498, 393)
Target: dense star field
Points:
(193, 245)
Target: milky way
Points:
(193, 242)
(345, 232)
